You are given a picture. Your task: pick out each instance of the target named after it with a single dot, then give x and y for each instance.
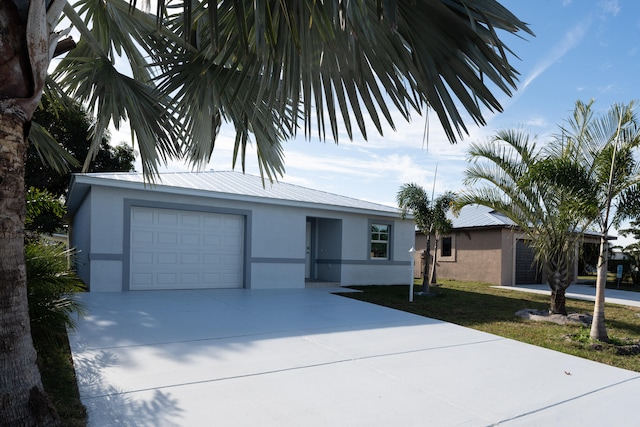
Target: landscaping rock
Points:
(544, 316)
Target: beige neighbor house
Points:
(484, 246)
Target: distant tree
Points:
(44, 212)
(70, 125)
(431, 219)
(632, 230)
(632, 251)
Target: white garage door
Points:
(174, 249)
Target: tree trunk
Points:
(425, 273)
(559, 279)
(558, 302)
(432, 277)
(22, 398)
(598, 326)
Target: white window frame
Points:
(373, 241)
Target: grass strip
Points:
(491, 309)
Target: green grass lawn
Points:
(483, 307)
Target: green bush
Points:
(50, 284)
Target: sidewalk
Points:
(584, 292)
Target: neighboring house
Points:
(484, 246)
(229, 230)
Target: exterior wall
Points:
(80, 240)
(359, 269)
(275, 240)
(477, 255)
(277, 247)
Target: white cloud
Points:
(571, 39)
(610, 6)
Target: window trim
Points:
(389, 240)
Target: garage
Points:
(181, 249)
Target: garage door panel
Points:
(189, 220)
(212, 240)
(141, 217)
(142, 279)
(170, 258)
(165, 238)
(142, 258)
(190, 258)
(167, 279)
(212, 222)
(190, 239)
(167, 218)
(213, 259)
(172, 249)
(142, 237)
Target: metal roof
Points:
(479, 216)
(228, 184)
(472, 216)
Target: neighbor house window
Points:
(447, 246)
(380, 241)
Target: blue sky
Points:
(583, 49)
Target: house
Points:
(229, 230)
(484, 246)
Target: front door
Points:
(307, 259)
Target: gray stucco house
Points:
(228, 230)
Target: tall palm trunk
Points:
(432, 276)
(598, 326)
(25, 42)
(21, 392)
(427, 262)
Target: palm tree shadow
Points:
(107, 405)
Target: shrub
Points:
(50, 283)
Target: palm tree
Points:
(266, 67)
(431, 219)
(506, 175)
(605, 149)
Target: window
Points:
(380, 241)
(447, 246)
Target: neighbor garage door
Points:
(175, 249)
(526, 266)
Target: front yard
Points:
(483, 307)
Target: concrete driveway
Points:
(310, 358)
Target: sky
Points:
(582, 50)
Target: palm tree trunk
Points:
(557, 271)
(558, 301)
(425, 273)
(598, 326)
(432, 276)
(21, 393)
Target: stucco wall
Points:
(478, 256)
(80, 240)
